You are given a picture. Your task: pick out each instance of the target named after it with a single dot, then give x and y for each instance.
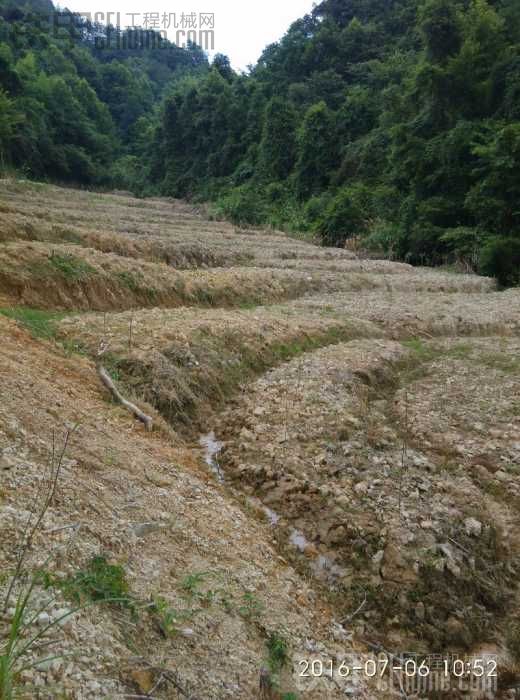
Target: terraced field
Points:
(334, 465)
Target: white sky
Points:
(242, 29)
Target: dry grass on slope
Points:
(187, 361)
(64, 277)
(411, 312)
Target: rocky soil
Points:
(334, 464)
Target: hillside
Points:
(333, 467)
(392, 123)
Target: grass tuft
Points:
(278, 653)
(67, 266)
(99, 582)
(41, 324)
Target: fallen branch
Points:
(107, 381)
(350, 617)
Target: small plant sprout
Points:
(168, 618)
(22, 640)
(251, 608)
(278, 653)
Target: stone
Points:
(473, 527)
(247, 435)
(144, 529)
(453, 568)
(420, 611)
(158, 479)
(343, 501)
(377, 559)
(395, 567)
(143, 679)
(43, 619)
(361, 488)
(457, 633)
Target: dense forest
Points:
(392, 122)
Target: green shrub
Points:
(251, 608)
(384, 237)
(243, 173)
(129, 280)
(275, 192)
(127, 173)
(278, 653)
(500, 258)
(242, 206)
(343, 218)
(315, 207)
(67, 266)
(463, 243)
(168, 618)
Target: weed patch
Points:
(41, 324)
(67, 266)
(278, 653)
(99, 582)
(501, 362)
(129, 280)
(251, 608)
(167, 618)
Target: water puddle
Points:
(298, 540)
(322, 566)
(271, 516)
(212, 447)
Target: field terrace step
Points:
(67, 277)
(408, 311)
(187, 361)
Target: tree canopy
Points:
(395, 121)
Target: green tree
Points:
(9, 120)
(278, 145)
(441, 26)
(317, 150)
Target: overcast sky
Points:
(242, 29)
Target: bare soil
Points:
(369, 418)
